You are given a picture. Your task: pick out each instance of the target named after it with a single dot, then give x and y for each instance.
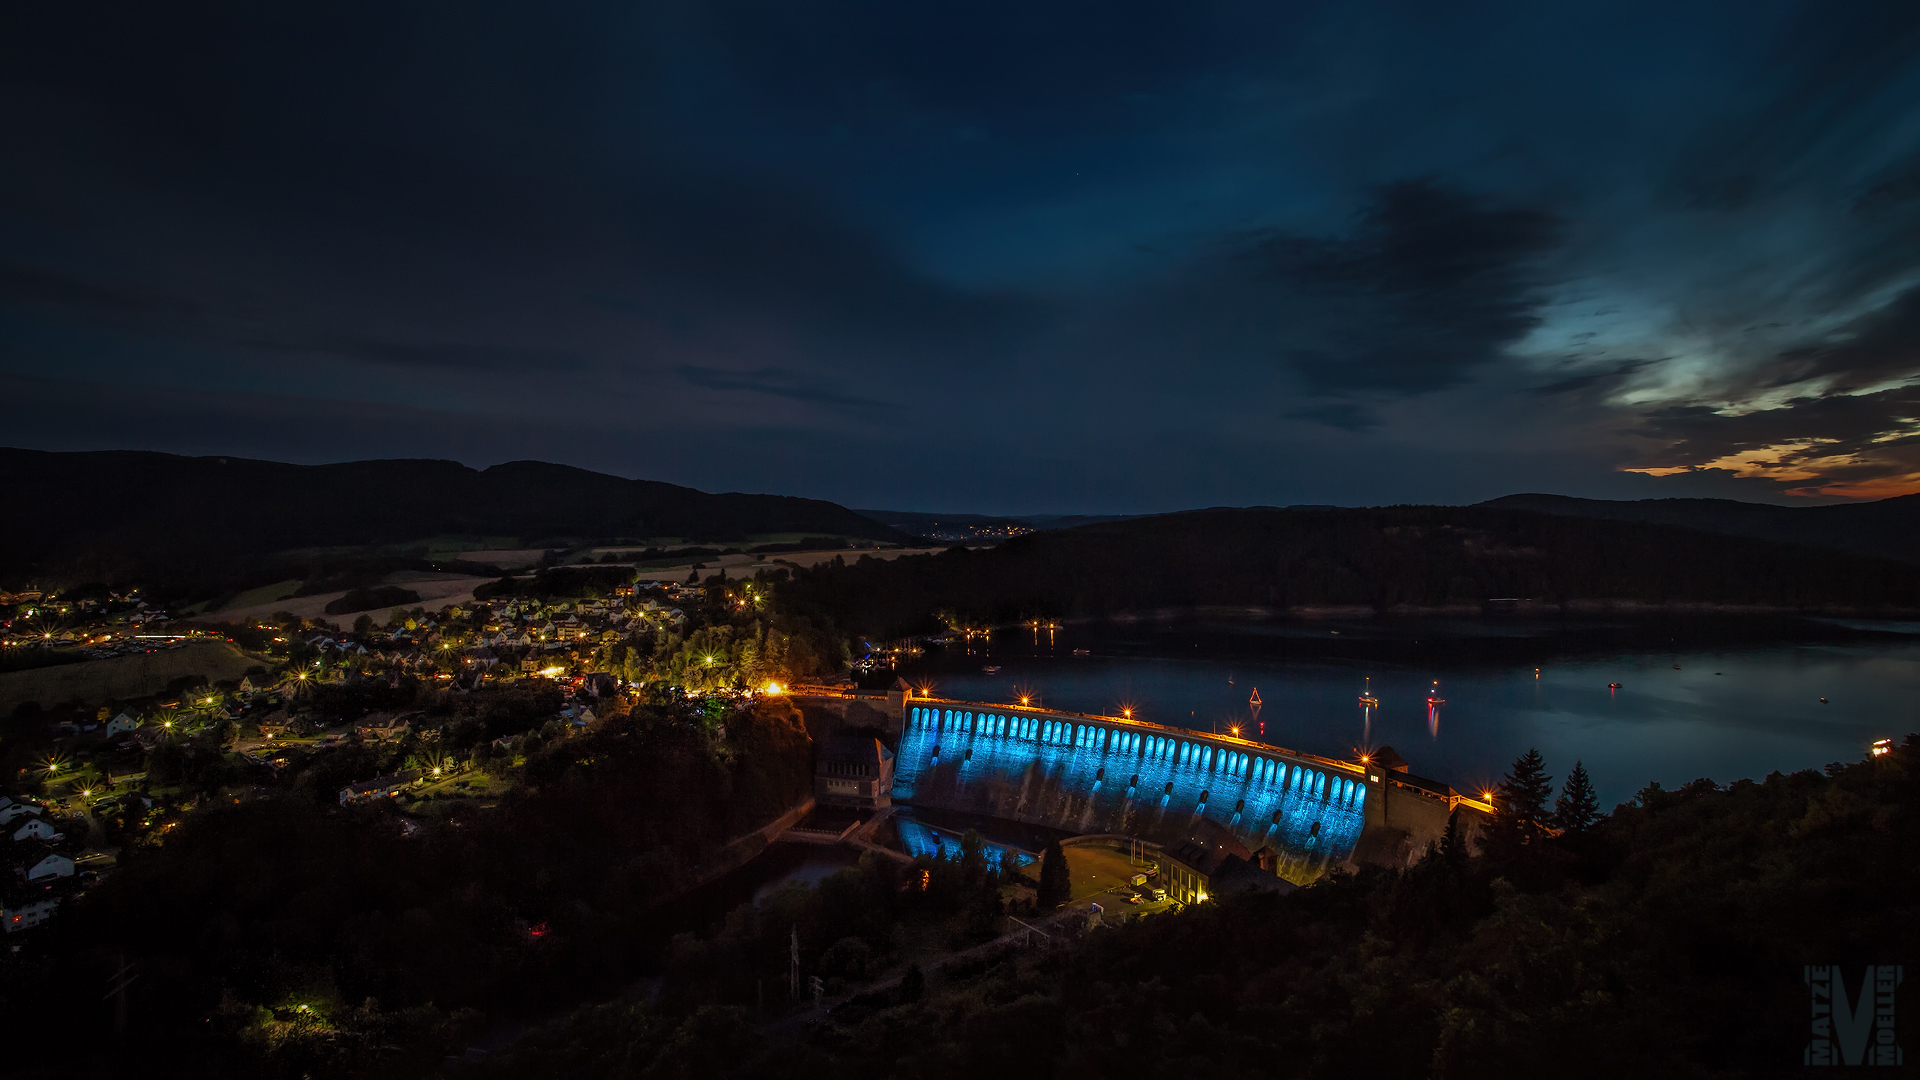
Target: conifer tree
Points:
(1453, 846)
(1056, 887)
(1520, 809)
(912, 985)
(1576, 809)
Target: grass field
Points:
(98, 682)
(265, 594)
(436, 591)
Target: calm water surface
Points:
(1693, 702)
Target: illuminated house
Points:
(1212, 862)
(854, 772)
(53, 866)
(378, 787)
(28, 913)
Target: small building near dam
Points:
(854, 771)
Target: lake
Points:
(1720, 698)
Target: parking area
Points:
(1105, 876)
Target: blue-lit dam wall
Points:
(1112, 776)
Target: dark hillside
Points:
(1889, 528)
(127, 515)
(1669, 940)
(1381, 558)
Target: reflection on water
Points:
(920, 837)
(817, 865)
(1722, 711)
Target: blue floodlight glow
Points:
(1046, 771)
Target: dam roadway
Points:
(1106, 774)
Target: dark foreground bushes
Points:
(1667, 941)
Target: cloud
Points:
(1432, 284)
(781, 215)
(22, 284)
(1870, 350)
(1849, 425)
(1594, 379)
(774, 382)
(1345, 415)
(433, 355)
(1840, 444)
(158, 309)
(1895, 190)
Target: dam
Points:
(1111, 775)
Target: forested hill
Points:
(1388, 557)
(1887, 527)
(124, 515)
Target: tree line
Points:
(1380, 558)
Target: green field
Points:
(99, 682)
(265, 594)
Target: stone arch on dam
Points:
(1090, 774)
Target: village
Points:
(370, 711)
(88, 627)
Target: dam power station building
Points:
(1118, 776)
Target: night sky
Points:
(1099, 257)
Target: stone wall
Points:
(827, 716)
